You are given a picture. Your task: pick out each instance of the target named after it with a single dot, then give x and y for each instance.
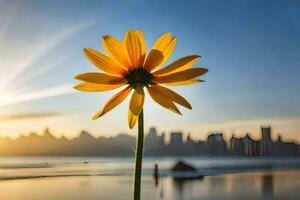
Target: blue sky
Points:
(250, 47)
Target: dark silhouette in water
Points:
(156, 175)
(183, 167)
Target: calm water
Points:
(40, 178)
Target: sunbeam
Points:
(16, 59)
(42, 50)
(10, 98)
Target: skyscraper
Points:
(266, 140)
(176, 138)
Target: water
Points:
(65, 178)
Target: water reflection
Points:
(179, 186)
(230, 186)
(244, 186)
(267, 186)
(155, 175)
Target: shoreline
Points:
(13, 168)
(213, 171)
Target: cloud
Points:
(24, 116)
(44, 69)
(61, 89)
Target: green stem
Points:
(138, 159)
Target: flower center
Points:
(139, 77)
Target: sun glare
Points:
(5, 97)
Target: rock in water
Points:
(183, 167)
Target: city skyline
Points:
(166, 134)
(239, 128)
(251, 50)
(155, 145)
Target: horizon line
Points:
(47, 131)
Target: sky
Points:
(251, 49)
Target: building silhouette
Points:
(155, 145)
(153, 142)
(216, 144)
(251, 146)
(247, 146)
(266, 141)
(176, 139)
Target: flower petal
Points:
(189, 82)
(169, 49)
(137, 101)
(165, 46)
(180, 76)
(162, 41)
(101, 78)
(104, 63)
(167, 93)
(140, 34)
(92, 87)
(113, 102)
(135, 47)
(153, 60)
(135, 106)
(178, 65)
(161, 100)
(132, 119)
(116, 50)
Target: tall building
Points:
(216, 144)
(266, 140)
(190, 145)
(251, 146)
(176, 138)
(236, 146)
(153, 140)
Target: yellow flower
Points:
(127, 64)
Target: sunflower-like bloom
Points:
(127, 63)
